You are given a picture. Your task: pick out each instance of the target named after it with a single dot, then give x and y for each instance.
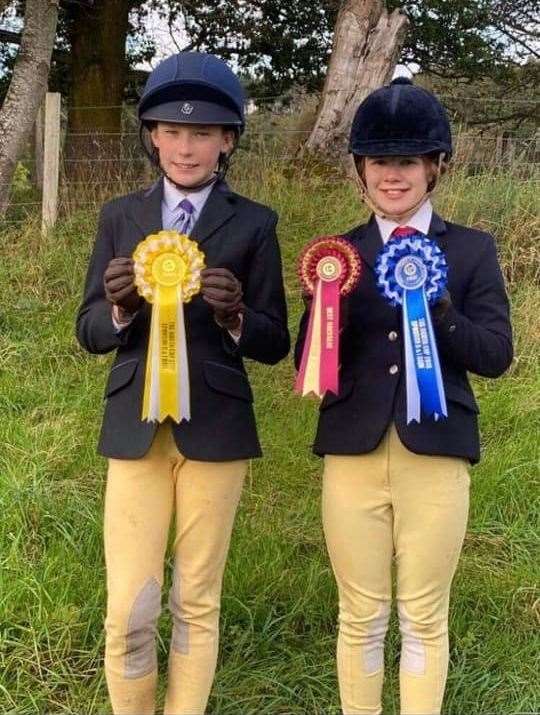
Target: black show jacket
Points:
(234, 233)
(474, 336)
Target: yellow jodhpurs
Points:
(376, 506)
(141, 496)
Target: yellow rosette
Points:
(168, 269)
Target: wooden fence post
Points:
(51, 161)
(37, 169)
(510, 151)
(499, 148)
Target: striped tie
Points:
(185, 217)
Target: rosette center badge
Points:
(329, 269)
(411, 273)
(168, 269)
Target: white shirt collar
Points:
(420, 220)
(173, 196)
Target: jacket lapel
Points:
(218, 209)
(146, 211)
(437, 231)
(368, 241)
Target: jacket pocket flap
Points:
(120, 376)
(345, 389)
(227, 380)
(456, 393)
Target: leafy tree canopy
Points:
(281, 44)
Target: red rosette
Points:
(329, 268)
(328, 258)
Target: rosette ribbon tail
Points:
(320, 358)
(425, 391)
(166, 387)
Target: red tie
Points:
(404, 231)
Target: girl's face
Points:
(397, 183)
(189, 153)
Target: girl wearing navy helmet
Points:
(396, 478)
(192, 115)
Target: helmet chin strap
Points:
(219, 173)
(398, 218)
(188, 189)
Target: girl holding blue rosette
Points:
(398, 438)
(184, 283)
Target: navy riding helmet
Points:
(400, 119)
(193, 88)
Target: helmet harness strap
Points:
(219, 174)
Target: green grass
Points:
(279, 601)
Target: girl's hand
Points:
(223, 292)
(119, 285)
(440, 308)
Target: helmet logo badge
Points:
(187, 108)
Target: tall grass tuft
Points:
(279, 601)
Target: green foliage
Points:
(283, 43)
(470, 39)
(509, 106)
(139, 47)
(276, 43)
(21, 179)
(279, 600)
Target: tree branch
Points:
(520, 115)
(518, 41)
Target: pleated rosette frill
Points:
(168, 268)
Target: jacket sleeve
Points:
(301, 338)
(265, 336)
(94, 326)
(479, 339)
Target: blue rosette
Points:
(412, 272)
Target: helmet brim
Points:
(196, 112)
(400, 147)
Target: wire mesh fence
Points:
(95, 165)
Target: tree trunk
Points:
(27, 87)
(98, 76)
(367, 41)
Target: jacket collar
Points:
(219, 208)
(368, 241)
(146, 210)
(438, 231)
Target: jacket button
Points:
(451, 328)
(392, 336)
(393, 369)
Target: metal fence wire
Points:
(92, 165)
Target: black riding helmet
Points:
(401, 119)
